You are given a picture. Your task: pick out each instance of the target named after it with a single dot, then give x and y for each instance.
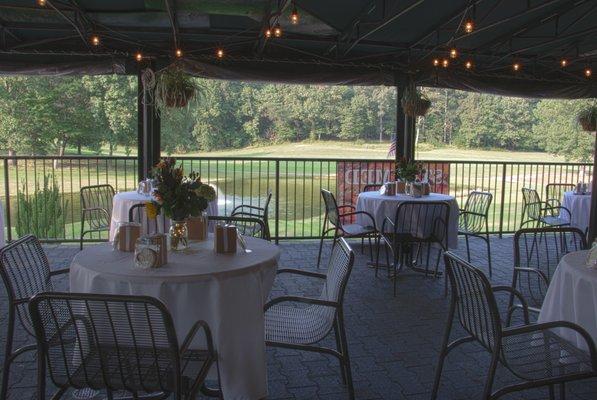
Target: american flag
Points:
(392, 149)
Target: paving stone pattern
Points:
(394, 342)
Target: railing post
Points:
(502, 199)
(7, 200)
(277, 202)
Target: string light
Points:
(95, 40)
(220, 53)
(588, 72)
(469, 26)
(516, 67)
(435, 62)
(178, 53)
(278, 31)
(139, 56)
(41, 3)
(468, 64)
(564, 62)
(445, 63)
(268, 33)
(453, 53)
(294, 16)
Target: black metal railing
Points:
(296, 210)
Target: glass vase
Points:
(178, 235)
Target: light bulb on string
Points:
(95, 40)
(41, 3)
(469, 26)
(588, 72)
(178, 53)
(139, 56)
(294, 16)
(453, 53)
(435, 62)
(516, 67)
(268, 33)
(220, 53)
(563, 63)
(445, 63)
(468, 64)
(278, 31)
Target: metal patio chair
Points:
(333, 221)
(294, 327)
(554, 193)
(114, 343)
(537, 252)
(416, 224)
(247, 226)
(250, 211)
(534, 353)
(473, 220)
(25, 271)
(96, 209)
(138, 214)
(540, 212)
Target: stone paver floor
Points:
(393, 341)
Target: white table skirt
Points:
(572, 296)
(123, 202)
(381, 206)
(227, 291)
(2, 241)
(580, 209)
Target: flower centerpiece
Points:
(409, 170)
(178, 197)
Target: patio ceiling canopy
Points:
(334, 41)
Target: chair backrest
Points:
(25, 271)
(422, 221)
(97, 197)
(247, 226)
(138, 214)
(473, 301)
(331, 208)
(541, 249)
(476, 208)
(555, 191)
(372, 188)
(339, 269)
(107, 341)
(531, 204)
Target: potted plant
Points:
(587, 119)
(174, 88)
(415, 103)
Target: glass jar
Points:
(178, 235)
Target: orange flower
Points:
(151, 209)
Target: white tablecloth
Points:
(381, 206)
(2, 241)
(123, 202)
(227, 291)
(572, 296)
(580, 209)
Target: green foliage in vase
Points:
(41, 213)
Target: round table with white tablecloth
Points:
(228, 291)
(123, 202)
(381, 206)
(579, 206)
(572, 296)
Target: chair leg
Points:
(443, 354)
(562, 391)
(345, 357)
(82, 231)
(489, 255)
(468, 250)
(552, 393)
(7, 356)
(320, 248)
(490, 375)
(370, 248)
(363, 245)
(340, 350)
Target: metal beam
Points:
(383, 24)
(148, 128)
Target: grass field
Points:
(298, 200)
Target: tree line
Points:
(53, 115)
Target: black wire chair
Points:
(534, 353)
(295, 327)
(96, 209)
(116, 342)
(138, 214)
(333, 222)
(25, 271)
(554, 192)
(372, 187)
(250, 211)
(247, 226)
(473, 220)
(540, 212)
(417, 224)
(537, 252)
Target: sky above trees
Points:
(48, 115)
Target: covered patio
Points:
(538, 49)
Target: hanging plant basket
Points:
(587, 119)
(174, 88)
(414, 103)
